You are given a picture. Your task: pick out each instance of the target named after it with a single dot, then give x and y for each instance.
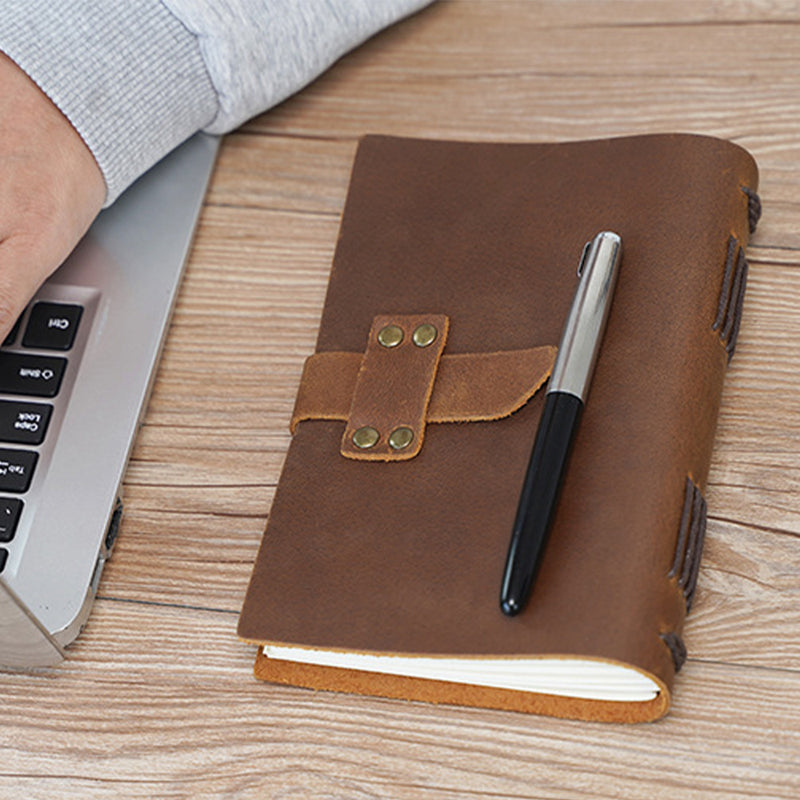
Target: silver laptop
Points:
(75, 375)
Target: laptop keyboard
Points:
(33, 363)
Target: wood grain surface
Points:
(157, 699)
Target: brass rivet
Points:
(366, 437)
(400, 438)
(390, 336)
(425, 334)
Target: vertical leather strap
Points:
(393, 387)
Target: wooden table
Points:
(157, 699)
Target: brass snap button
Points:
(390, 336)
(400, 438)
(425, 335)
(366, 437)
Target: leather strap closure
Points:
(409, 386)
(386, 420)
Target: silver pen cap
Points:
(580, 342)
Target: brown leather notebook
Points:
(381, 564)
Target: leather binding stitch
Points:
(691, 538)
(676, 648)
(753, 208)
(731, 296)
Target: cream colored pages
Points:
(589, 679)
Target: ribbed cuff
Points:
(129, 76)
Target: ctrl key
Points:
(16, 469)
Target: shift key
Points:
(37, 376)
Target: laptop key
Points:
(52, 326)
(10, 509)
(16, 470)
(3, 558)
(23, 423)
(22, 373)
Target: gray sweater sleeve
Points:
(138, 77)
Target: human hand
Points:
(50, 190)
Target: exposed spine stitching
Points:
(731, 296)
(730, 316)
(691, 585)
(684, 529)
(690, 542)
(691, 546)
(753, 208)
(738, 303)
(676, 648)
(724, 292)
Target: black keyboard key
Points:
(23, 423)
(40, 376)
(12, 334)
(3, 558)
(16, 470)
(10, 509)
(52, 326)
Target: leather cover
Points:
(407, 557)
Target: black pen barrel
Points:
(539, 498)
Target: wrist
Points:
(132, 82)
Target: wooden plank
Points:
(756, 474)
(578, 71)
(183, 717)
(747, 607)
(310, 176)
(746, 612)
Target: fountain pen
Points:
(564, 402)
